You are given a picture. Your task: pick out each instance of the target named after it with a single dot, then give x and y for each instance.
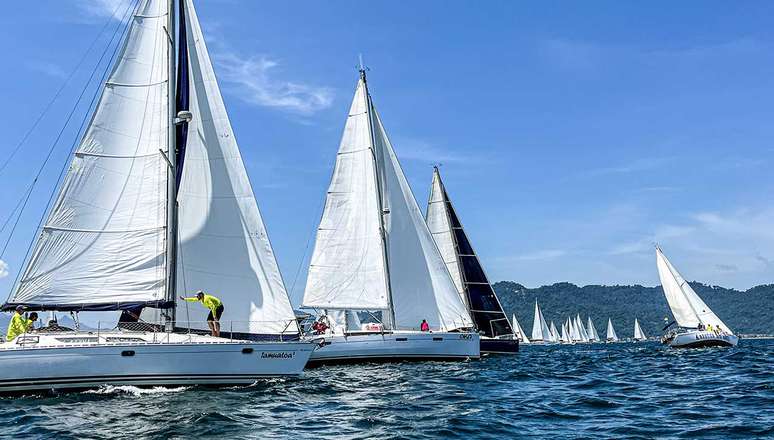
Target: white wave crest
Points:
(134, 391)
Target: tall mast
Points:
(172, 171)
(380, 193)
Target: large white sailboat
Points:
(156, 204)
(469, 277)
(540, 331)
(639, 335)
(519, 332)
(374, 253)
(611, 336)
(698, 325)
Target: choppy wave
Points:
(583, 391)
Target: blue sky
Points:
(573, 135)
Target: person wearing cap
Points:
(216, 310)
(19, 324)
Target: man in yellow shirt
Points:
(19, 324)
(216, 310)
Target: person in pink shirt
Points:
(425, 327)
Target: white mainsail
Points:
(519, 332)
(581, 329)
(592, 331)
(687, 307)
(638, 333)
(611, 336)
(565, 337)
(352, 267)
(540, 330)
(574, 331)
(224, 248)
(105, 238)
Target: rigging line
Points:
(306, 249)
(58, 92)
(86, 118)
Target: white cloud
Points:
(3, 269)
(256, 83)
(103, 8)
(423, 151)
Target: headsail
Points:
(687, 307)
(223, 246)
(103, 245)
(611, 336)
(519, 332)
(592, 331)
(554, 332)
(464, 266)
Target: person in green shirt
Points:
(19, 324)
(216, 310)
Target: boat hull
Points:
(702, 339)
(174, 361)
(397, 346)
(499, 346)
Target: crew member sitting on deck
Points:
(425, 327)
(216, 310)
(19, 324)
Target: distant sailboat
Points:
(565, 336)
(467, 272)
(592, 331)
(540, 330)
(611, 336)
(554, 332)
(519, 332)
(575, 335)
(698, 325)
(639, 335)
(581, 329)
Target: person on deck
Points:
(425, 327)
(19, 324)
(216, 310)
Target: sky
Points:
(572, 135)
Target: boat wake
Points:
(134, 391)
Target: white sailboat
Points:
(466, 271)
(374, 252)
(565, 338)
(698, 325)
(611, 336)
(584, 337)
(575, 335)
(554, 332)
(519, 332)
(139, 216)
(540, 331)
(592, 331)
(639, 335)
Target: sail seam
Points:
(117, 84)
(101, 231)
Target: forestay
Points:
(103, 243)
(224, 248)
(688, 309)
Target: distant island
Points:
(746, 312)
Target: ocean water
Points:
(584, 391)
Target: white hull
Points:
(702, 338)
(397, 346)
(77, 360)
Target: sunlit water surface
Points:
(585, 391)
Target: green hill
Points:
(746, 312)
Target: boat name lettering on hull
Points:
(277, 355)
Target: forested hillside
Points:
(749, 311)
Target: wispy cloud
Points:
(423, 151)
(256, 81)
(545, 254)
(47, 68)
(102, 8)
(3, 269)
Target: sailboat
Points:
(554, 332)
(540, 331)
(374, 253)
(611, 336)
(584, 337)
(564, 338)
(469, 276)
(698, 325)
(592, 331)
(519, 332)
(639, 335)
(156, 203)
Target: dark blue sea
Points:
(561, 392)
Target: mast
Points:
(172, 171)
(380, 193)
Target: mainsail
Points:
(463, 263)
(540, 330)
(687, 307)
(565, 337)
(638, 333)
(104, 243)
(374, 250)
(592, 331)
(554, 332)
(611, 336)
(581, 329)
(519, 332)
